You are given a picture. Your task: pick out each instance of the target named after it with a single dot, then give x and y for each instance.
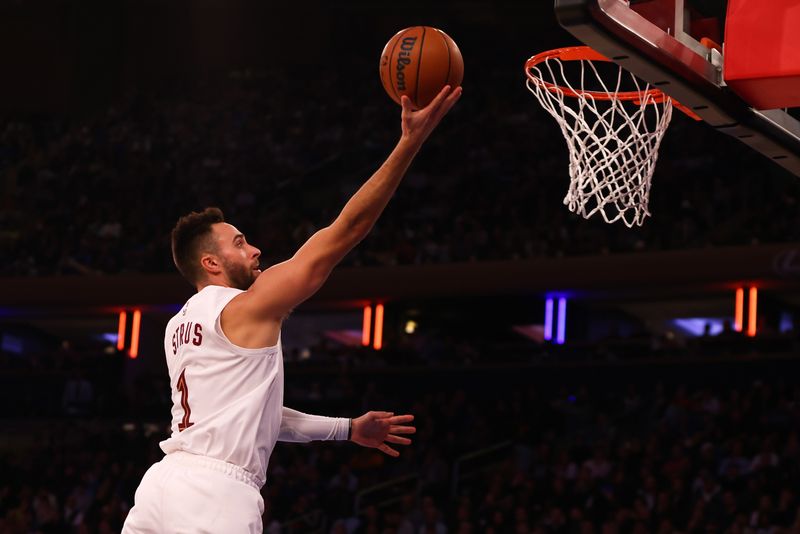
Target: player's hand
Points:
(378, 429)
(418, 124)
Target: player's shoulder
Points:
(210, 295)
(210, 300)
(204, 301)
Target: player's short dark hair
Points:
(190, 237)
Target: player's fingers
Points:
(384, 448)
(452, 98)
(406, 103)
(397, 439)
(439, 113)
(381, 415)
(402, 429)
(436, 103)
(399, 419)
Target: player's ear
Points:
(210, 263)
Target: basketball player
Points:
(226, 366)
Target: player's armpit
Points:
(282, 287)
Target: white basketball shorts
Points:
(191, 494)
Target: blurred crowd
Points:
(99, 194)
(624, 434)
(83, 378)
(701, 446)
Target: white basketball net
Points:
(613, 144)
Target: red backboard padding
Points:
(762, 52)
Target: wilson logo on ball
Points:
(403, 59)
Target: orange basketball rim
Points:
(585, 53)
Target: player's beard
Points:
(240, 276)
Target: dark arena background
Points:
(567, 376)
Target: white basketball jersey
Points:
(226, 400)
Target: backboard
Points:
(678, 46)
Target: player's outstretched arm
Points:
(282, 287)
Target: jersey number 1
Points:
(184, 389)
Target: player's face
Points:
(240, 260)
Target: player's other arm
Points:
(299, 427)
(282, 287)
(373, 429)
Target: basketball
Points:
(418, 62)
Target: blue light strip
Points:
(548, 319)
(562, 321)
